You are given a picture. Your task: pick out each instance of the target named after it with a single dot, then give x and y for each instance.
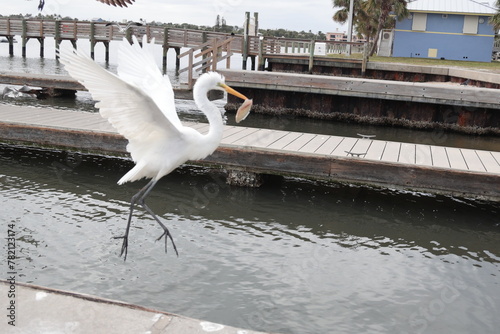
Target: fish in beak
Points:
(244, 109)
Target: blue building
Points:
(446, 29)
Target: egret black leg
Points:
(166, 232)
(137, 197)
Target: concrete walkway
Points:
(42, 310)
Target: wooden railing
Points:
(212, 52)
(251, 46)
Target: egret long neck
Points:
(213, 114)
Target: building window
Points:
(470, 24)
(419, 21)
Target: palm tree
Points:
(363, 23)
(121, 3)
(495, 19)
(384, 8)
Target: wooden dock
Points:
(169, 38)
(434, 169)
(391, 102)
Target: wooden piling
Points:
(311, 56)
(165, 50)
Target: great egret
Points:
(121, 3)
(139, 103)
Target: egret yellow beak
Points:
(244, 109)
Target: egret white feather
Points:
(139, 103)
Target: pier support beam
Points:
(42, 46)
(177, 60)
(10, 39)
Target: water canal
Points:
(290, 257)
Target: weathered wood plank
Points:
(496, 155)
(298, 143)
(265, 137)
(407, 153)
(423, 155)
(489, 162)
(439, 157)
(284, 141)
(472, 160)
(247, 132)
(376, 150)
(391, 151)
(456, 158)
(231, 130)
(315, 143)
(329, 145)
(362, 146)
(345, 145)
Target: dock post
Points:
(42, 46)
(11, 45)
(262, 61)
(246, 28)
(311, 56)
(204, 57)
(177, 60)
(92, 40)
(10, 38)
(165, 50)
(57, 37)
(24, 38)
(365, 59)
(106, 51)
(252, 67)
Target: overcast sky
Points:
(314, 15)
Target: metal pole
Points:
(349, 26)
(245, 40)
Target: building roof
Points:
(473, 7)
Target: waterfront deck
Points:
(435, 169)
(40, 310)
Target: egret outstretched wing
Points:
(137, 65)
(129, 108)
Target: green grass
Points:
(494, 66)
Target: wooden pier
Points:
(434, 169)
(213, 45)
(391, 102)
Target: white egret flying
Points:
(139, 103)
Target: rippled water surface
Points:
(290, 257)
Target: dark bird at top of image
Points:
(119, 3)
(465, 83)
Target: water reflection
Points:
(291, 257)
